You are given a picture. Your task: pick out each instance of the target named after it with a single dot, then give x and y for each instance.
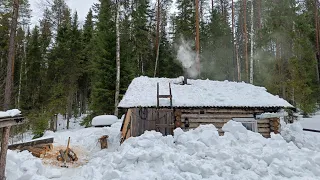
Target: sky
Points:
(81, 6)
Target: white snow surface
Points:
(192, 155)
(104, 120)
(10, 113)
(206, 93)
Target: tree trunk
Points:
(316, 17)
(69, 107)
(197, 38)
(117, 61)
(235, 65)
(245, 38)
(10, 65)
(3, 153)
(157, 46)
(251, 45)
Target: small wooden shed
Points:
(163, 104)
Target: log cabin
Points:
(163, 104)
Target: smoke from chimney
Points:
(187, 57)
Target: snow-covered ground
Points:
(192, 155)
(312, 123)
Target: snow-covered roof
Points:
(10, 113)
(142, 92)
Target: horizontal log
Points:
(264, 130)
(191, 120)
(165, 125)
(8, 118)
(263, 125)
(10, 122)
(265, 134)
(219, 110)
(262, 121)
(213, 116)
(195, 125)
(31, 143)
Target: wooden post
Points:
(3, 153)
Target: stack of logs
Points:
(38, 148)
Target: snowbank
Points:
(303, 139)
(9, 113)
(104, 120)
(193, 155)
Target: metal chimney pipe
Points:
(185, 77)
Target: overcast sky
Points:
(81, 6)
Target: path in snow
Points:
(311, 123)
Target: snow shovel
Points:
(66, 155)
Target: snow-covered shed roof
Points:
(142, 92)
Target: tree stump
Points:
(104, 141)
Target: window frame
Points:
(252, 121)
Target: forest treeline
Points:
(69, 67)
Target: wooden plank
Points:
(264, 130)
(31, 143)
(10, 122)
(17, 118)
(312, 130)
(164, 96)
(125, 123)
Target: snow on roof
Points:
(142, 92)
(9, 113)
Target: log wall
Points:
(165, 120)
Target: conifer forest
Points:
(63, 66)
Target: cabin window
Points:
(248, 123)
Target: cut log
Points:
(46, 147)
(31, 143)
(104, 141)
(72, 155)
(37, 152)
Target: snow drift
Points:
(104, 120)
(196, 154)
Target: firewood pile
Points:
(67, 155)
(38, 148)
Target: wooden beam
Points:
(31, 143)
(3, 153)
(10, 122)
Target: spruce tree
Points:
(103, 61)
